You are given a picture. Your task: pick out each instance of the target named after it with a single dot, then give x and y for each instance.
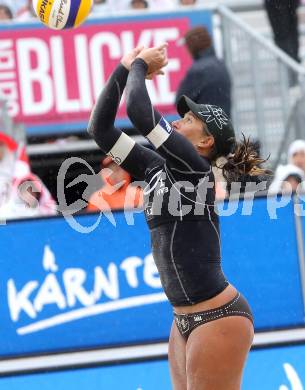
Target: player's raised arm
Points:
(139, 106)
(177, 150)
(124, 151)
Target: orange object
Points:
(115, 194)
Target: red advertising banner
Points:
(52, 77)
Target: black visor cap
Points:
(216, 120)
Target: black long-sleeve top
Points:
(178, 190)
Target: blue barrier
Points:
(101, 289)
(275, 368)
(140, 376)
(79, 290)
(266, 369)
(260, 257)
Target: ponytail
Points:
(243, 163)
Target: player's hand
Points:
(155, 58)
(150, 76)
(128, 58)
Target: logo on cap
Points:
(214, 114)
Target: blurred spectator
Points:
(8, 148)
(287, 178)
(116, 191)
(22, 194)
(296, 154)
(14, 5)
(284, 22)
(5, 13)
(138, 4)
(101, 6)
(29, 198)
(26, 12)
(187, 2)
(208, 80)
(162, 4)
(113, 6)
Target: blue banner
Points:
(79, 290)
(279, 368)
(65, 290)
(260, 258)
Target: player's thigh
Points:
(216, 353)
(176, 357)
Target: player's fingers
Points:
(154, 73)
(162, 57)
(162, 47)
(163, 54)
(165, 62)
(138, 49)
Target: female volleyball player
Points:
(213, 329)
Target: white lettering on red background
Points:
(56, 77)
(8, 75)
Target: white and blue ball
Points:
(62, 14)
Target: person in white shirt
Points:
(187, 2)
(5, 13)
(101, 7)
(22, 194)
(138, 4)
(14, 5)
(296, 154)
(160, 5)
(27, 12)
(287, 178)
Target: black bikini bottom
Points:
(238, 306)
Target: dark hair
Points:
(197, 40)
(7, 10)
(144, 2)
(295, 177)
(244, 165)
(194, 1)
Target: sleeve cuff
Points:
(139, 63)
(160, 133)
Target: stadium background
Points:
(81, 310)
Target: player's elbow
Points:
(96, 131)
(91, 130)
(95, 124)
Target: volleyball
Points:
(62, 14)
